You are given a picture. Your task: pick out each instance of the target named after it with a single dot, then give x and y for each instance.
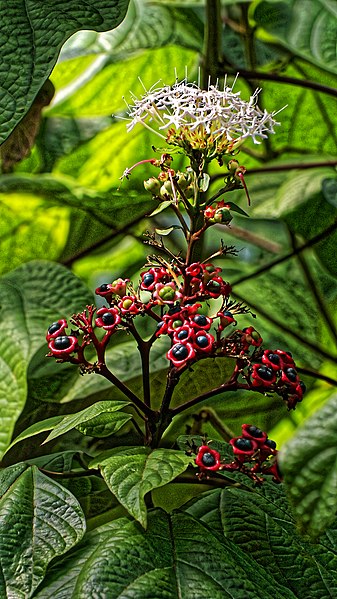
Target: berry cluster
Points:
(253, 447)
(174, 296)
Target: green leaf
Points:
(258, 521)
(310, 33)
(162, 206)
(41, 29)
(35, 429)
(40, 520)
(32, 297)
(131, 472)
(99, 417)
(236, 208)
(168, 230)
(308, 462)
(177, 556)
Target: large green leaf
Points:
(308, 462)
(61, 218)
(131, 472)
(177, 556)
(40, 29)
(40, 520)
(31, 298)
(260, 523)
(310, 33)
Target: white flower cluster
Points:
(220, 113)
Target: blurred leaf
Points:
(308, 462)
(56, 207)
(131, 472)
(40, 30)
(40, 520)
(310, 33)
(94, 94)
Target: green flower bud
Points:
(152, 185)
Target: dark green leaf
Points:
(40, 520)
(41, 30)
(176, 556)
(308, 462)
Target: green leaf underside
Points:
(40, 30)
(39, 520)
(177, 556)
(131, 472)
(310, 470)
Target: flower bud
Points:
(152, 185)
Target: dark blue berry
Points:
(62, 342)
(243, 444)
(208, 459)
(202, 341)
(200, 320)
(255, 432)
(291, 374)
(271, 443)
(213, 285)
(228, 313)
(265, 373)
(303, 387)
(159, 325)
(182, 334)
(104, 287)
(55, 326)
(108, 318)
(148, 279)
(180, 352)
(274, 358)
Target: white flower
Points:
(215, 120)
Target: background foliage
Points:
(68, 225)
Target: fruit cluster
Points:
(253, 447)
(174, 297)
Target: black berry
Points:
(201, 341)
(55, 326)
(148, 279)
(271, 443)
(274, 359)
(265, 373)
(200, 320)
(243, 444)
(291, 374)
(62, 342)
(208, 459)
(213, 285)
(255, 432)
(303, 387)
(108, 318)
(104, 287)
(180, 352)
(182, 334)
